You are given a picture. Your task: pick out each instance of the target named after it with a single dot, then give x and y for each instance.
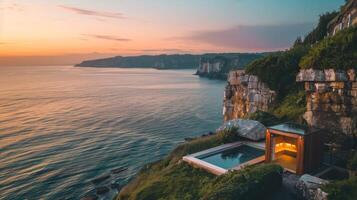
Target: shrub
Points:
(279, 70)
(267, 119)
(229, 135)
(251, 183)
(342, 190)
(292, 107)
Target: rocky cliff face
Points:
(331, 99)
(217, 67)
(245, 94)
(209, 67)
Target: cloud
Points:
(162, 50)
(13, 7)
(107, 37)
(252, 38)
(81, 11)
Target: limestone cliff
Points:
(245, 94)
(331, 99)
(218, 66)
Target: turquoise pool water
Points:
(230, 158)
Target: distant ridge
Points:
(176, 61)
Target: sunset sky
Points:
(92, 28)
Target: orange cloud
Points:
(107, 37)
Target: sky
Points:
(66, 30)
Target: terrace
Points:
(296, 148)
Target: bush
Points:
(292, 107)
(229, 135)
(267, 119)
(342, 190)
(279, 70)
(255, 182)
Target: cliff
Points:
(185, 61)
(331, 99)
(218, 66)
(345, 19)
(178, 61)
(245, 94)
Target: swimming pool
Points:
(234, 156)
(230, 158)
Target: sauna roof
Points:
(291, 128)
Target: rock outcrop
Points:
(308, 187)
(331, 99)
(345, 19)
(218, 66)
(245, 94)
(210, 66)
(249, 129)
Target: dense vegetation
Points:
(338, 52)
(316, 51)
(177, 61)
(320, 31)
(279, 70)
(342, 190)
(171, 178)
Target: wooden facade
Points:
(297, 151)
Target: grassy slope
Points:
(167, 168)
(338, 52)
(171, 178)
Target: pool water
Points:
(231, 158)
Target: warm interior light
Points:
(284, 146)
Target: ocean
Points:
(62, 127)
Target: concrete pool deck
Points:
(193, 159)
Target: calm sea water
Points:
(61, 127)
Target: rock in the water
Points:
(249, 129)
(102, 190)
(101, 179)
(308, 187)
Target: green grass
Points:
(172, 179)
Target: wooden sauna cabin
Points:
(295, 147)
